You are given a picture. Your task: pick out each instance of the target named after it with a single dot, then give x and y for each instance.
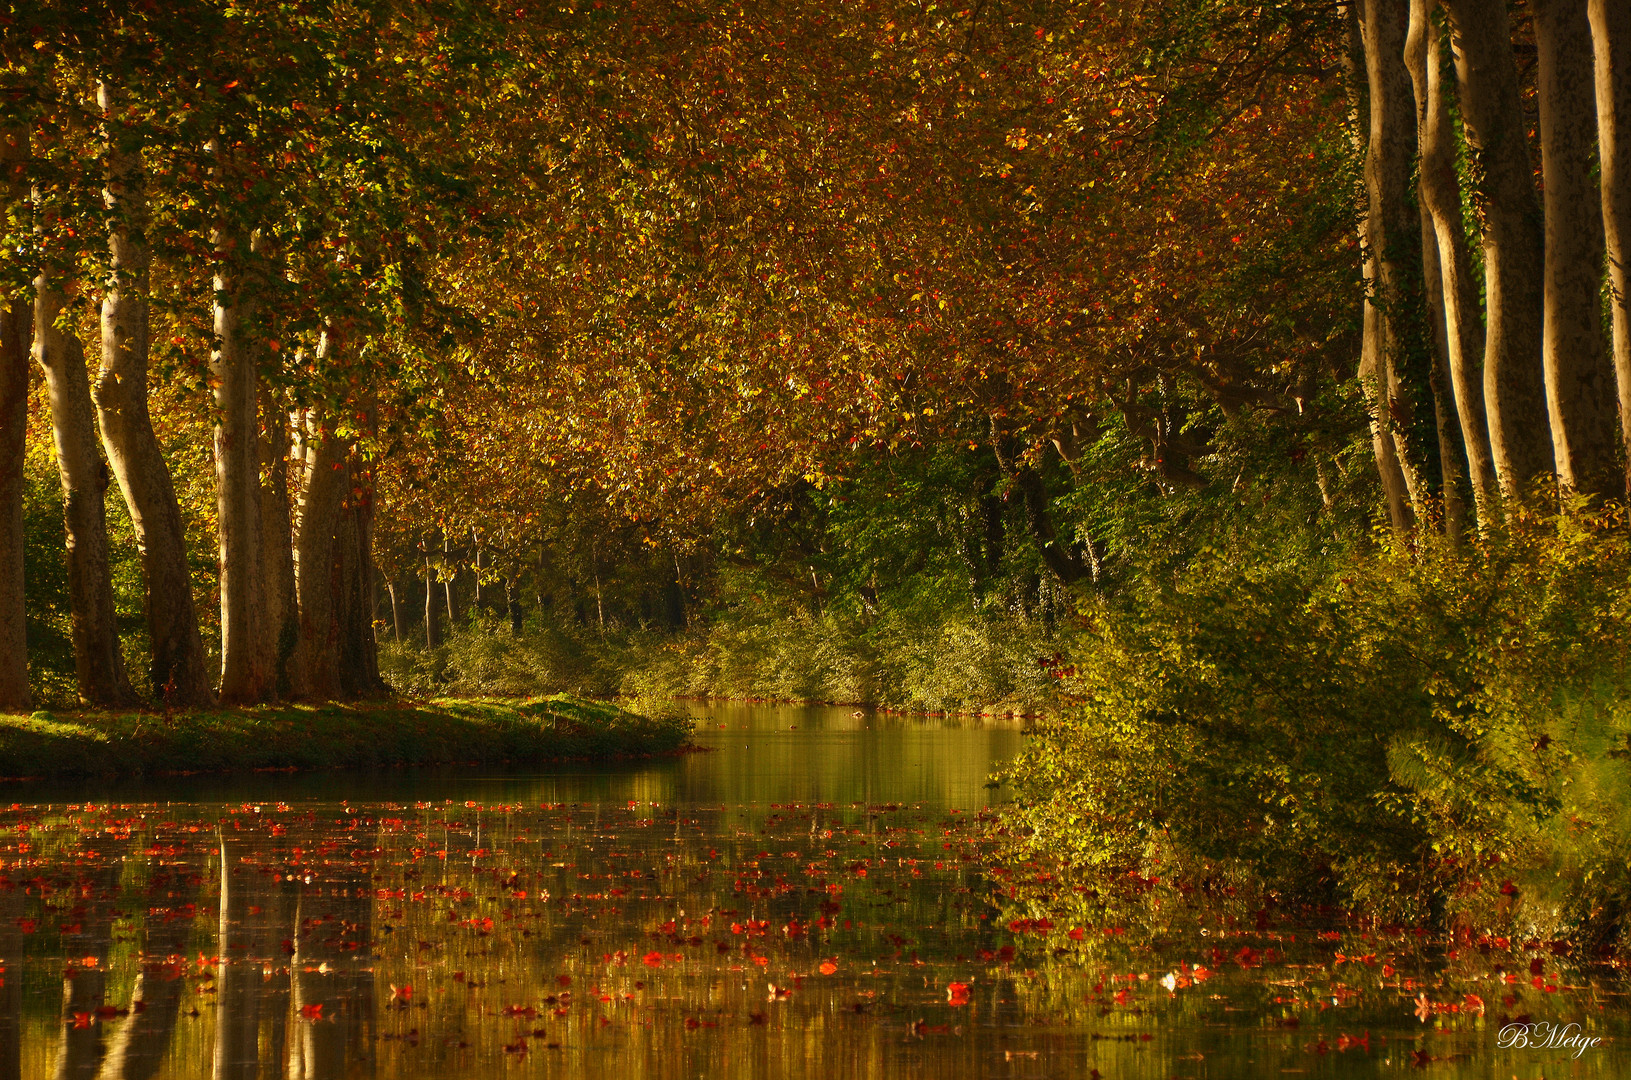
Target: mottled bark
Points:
(281, 625)
(246, 668)
(314, 665)
(354, 584)
(1457, 310)
(1513, 241)
(1611, 44)
(98, 665)
(179, 672)
(1579, 381)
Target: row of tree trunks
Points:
(1546, 401)
(98, 665)
(1398, 348)
(1513, 242)
(179, 673)
(1456, 314)
(261, 606)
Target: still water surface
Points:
(813, 898)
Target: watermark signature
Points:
(1544, 1036)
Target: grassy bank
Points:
(363, 735)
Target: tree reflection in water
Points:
(709, 917)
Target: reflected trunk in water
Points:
(11, 983)
(143, 1038)
(333, 981)
(250, 915)
(86, 938)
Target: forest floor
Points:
(335, 735)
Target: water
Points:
(813, 898)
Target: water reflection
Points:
(812, 899)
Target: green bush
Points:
(1418, 732)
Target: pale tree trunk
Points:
(16, 332)
(1451, 453)
(1462, 316)
(246, 669)
(313, 668)
(1371, 378)
(98, 666)
(1513, 241)
(447, 584)
(179, 671)
(433, 612)
(512, 601)
(1579, 382)
(1393, 231)
(1611, 42)
(277, 538)
(396, 611)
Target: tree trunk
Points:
(98, 666)
(246, 669)
(1513, 240)
(314, 667)
(1404, 366)
(179, 672)
(1458, 289)
(1451, 453)
(433, 609)
(396, 611)
(447, 583)
(1579, 397)
(512, 602)
(354, 577)
(1611, 41)
(1371, 368)
(1059, 554)
(282, 623)
(16, 322)
(16, 333)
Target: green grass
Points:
(361, 735)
